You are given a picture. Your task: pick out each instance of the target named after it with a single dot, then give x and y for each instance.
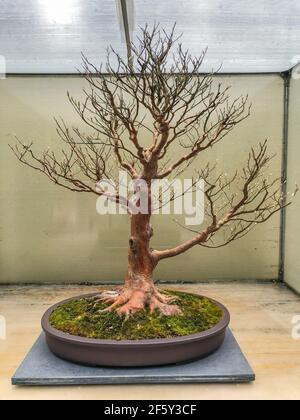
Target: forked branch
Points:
(236, 214)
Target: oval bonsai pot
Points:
(133, 353)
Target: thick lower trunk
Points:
(141, 262)
(139, 290)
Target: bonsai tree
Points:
(186, 109)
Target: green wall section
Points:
(292, 244)
(50, 235)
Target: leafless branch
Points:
(236, 214)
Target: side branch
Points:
(78, 168)
(259, 200)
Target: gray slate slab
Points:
(42, 368)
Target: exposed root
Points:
(128, 301)
(135, 303)
(164, 298)
(164, 308)
(118, 299)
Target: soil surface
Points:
(85, 318)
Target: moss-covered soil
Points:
(82, 318)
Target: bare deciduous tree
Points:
(186, 109)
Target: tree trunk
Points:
(141, 262)
(139, 291)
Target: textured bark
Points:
(139, 291)
(141, 262)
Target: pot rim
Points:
(54, 333)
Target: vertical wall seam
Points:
(126, 29)
(284, 172)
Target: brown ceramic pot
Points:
(134, 353)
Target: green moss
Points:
(82, 318)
